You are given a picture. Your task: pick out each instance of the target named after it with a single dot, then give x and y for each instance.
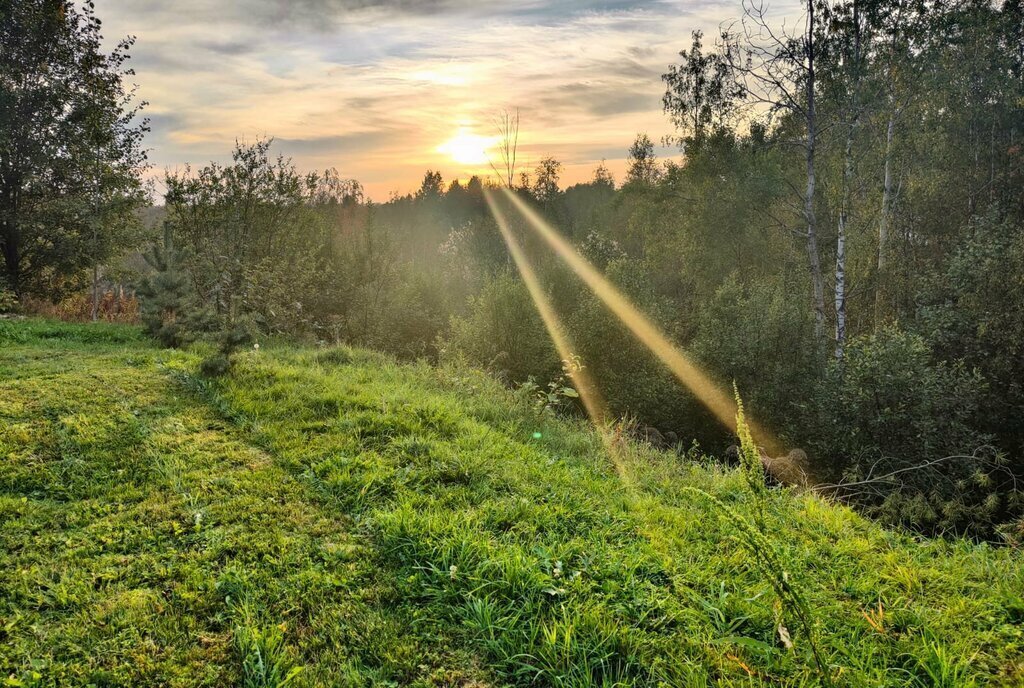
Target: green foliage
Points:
(503, 333)
(701, 93)
(888, 397)
(235, 335)
(8, 299)
(558, 395)
(250, 234)
(632, 380)
(972, 309)
(642, 165)
(762, 338)
(750, 455)
(168, 309)
(889, 408)
(545, 181)
(375, 524)
(70, 146)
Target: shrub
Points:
(974, 310)
(504, 334)
(8, 299)
(114, 306)
(761, 338)
(899, 431)
(634, 381)
(415, 317)
(236, 334)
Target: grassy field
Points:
(329, 517)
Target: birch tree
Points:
(776, 69)
(853, 58)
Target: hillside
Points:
(329, 517)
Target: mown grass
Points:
(329, 517)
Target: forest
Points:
(840, 235)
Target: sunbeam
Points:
(593, 402)
(720, 403)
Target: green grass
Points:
(329, 517)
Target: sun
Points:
(467, 148)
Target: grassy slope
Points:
(364, 522)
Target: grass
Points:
(330, 517)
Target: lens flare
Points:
(591, 397)
(709, 393)
(589, 394)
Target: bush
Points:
(8, 300)
(761, 338)
(504, 334)
(235, 335)
(114, 306)
(903, 428)
(974, 310)
(634, 381)
(415, 317)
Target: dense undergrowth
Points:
(330, 517)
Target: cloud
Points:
(237, 47)
(326, 15)
(374, 87)
(339, 145)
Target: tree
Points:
(603, 176)
(432, 185)
(642, 165)
(507, 125)
(852, 52)
(901, 74)
(70, 143)
(777, 71)
(700, 92)
(167, 307)
(251, 240)
(545, 183)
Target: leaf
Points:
(785, 637)
(570, 392)
(748, 643)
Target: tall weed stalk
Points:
(751, 533)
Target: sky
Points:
(383, 90)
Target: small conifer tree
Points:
(234, 335)
(166, 295)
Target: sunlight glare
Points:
(467, 148)
(720, 403)
(593, 402)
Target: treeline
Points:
(842, 237)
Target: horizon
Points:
(383, 90)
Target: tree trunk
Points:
(95, 241)
(844, 208)
(817, 281)
(10, 237)
(95, 291)
(883, 223)
(844, 211)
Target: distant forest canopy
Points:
(842, 236)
